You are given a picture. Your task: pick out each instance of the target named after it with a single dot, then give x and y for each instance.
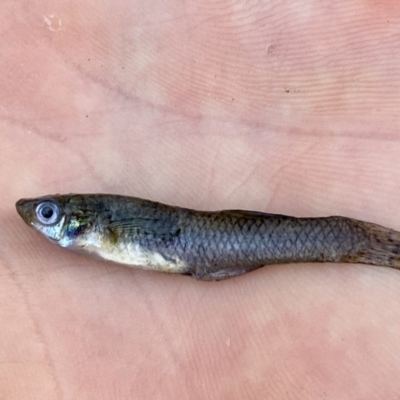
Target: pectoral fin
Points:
(154, 227)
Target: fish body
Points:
(208, 245)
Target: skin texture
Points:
(288, 107)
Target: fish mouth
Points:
(24, 209)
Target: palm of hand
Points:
(209, 106)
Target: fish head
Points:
(66, 220)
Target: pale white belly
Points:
(131, 254)
(136, 256)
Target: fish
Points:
(207, 245)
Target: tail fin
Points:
(380, 247)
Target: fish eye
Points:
(47, 212)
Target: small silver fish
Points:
(206, 245)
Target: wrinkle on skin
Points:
(29, 355)
(210, 105)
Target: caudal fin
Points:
(380, 247)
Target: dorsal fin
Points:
(253, 214)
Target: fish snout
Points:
(25, 210)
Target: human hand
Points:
(287, 107)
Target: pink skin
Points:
(284, 106)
